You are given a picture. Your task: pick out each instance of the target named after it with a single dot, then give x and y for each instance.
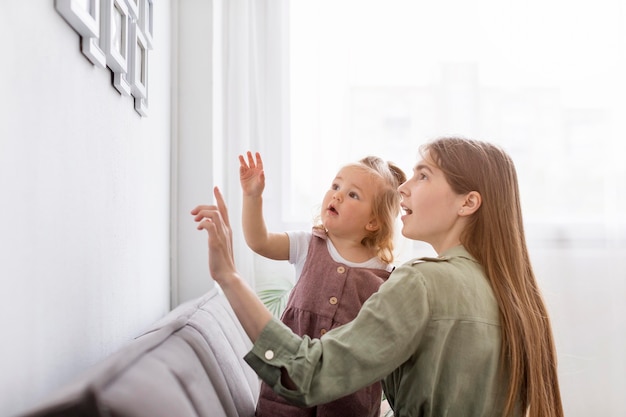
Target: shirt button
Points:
(323, 332)
(269, 355)
(341, 269)
(333, 300)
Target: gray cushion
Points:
(190, 363)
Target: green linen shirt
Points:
(431, 332)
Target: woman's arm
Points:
(385, 333)
(250, 311)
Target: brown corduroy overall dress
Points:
(328, 294)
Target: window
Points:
(544, 79)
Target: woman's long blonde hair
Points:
(387, 177)
(495, 237)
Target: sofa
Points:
(188, 364)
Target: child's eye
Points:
(334, 187)
(353, 195)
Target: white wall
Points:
(84, 210)
(194, 156)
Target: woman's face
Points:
(431, 208)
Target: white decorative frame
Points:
(138, 70)
(141, 44)
(91, 49)
(133, 9)
(141, 104)
(85, 19)
(146, 19)
(115, 41)
(116, 34)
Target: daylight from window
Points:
(542, 78)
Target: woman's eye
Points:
(422, 176)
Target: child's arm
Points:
(252, 178)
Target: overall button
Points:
(341, 269)
(269, 355)
(333, 300)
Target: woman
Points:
(463, 334)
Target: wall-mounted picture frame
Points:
(141, 105)
(116, 34)
(133, 9)
(82, 15)
(91, 49)
(90, 46)
(138, 69)
(146, 19)
(121, 83)
(115, 41)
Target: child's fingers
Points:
(242, 162)
(251, 163)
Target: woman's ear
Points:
(472, 202)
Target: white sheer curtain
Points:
(314, 84)
(544, 79)
(251, 91)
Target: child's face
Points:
(347, 205)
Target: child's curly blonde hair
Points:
(386, 207)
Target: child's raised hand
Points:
(251, 174)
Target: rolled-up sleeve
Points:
(276, 348)
(384, 335)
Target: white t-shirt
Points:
(299, 247)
